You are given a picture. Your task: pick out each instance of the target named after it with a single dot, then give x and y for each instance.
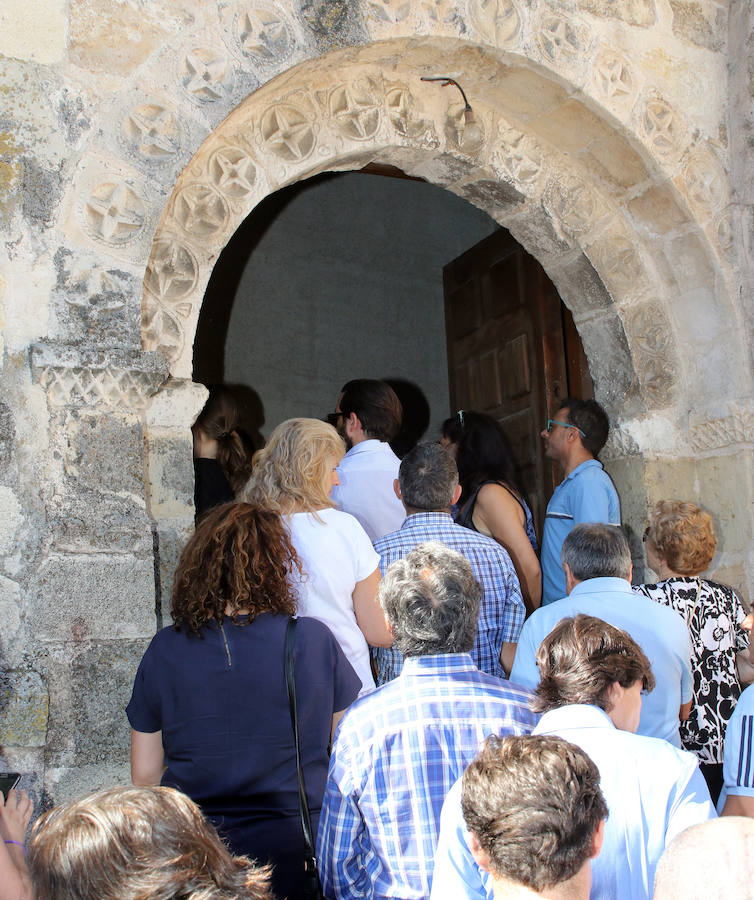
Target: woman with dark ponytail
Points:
(222, 464)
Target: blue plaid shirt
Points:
(502, 610)
(397, 753)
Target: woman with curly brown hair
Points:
(680, 542)
(209, 711)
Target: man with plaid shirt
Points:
(428, 487)
(399, 749)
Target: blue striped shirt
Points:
(397, 752)
(738, 753)
(502, 610)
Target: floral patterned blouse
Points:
(714, 622)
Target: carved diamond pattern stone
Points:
(205, 75)
(651, 342)
(704, 180)
(613, 76)
(110, 387)
(662, 126)
(618, 262)
(498, 21)
(355, 111)
(264, 35)
(154, 131)
(200, 210)
(287, 132)
(232, 172)
(737, 428)
(172, 271)
(573, 204)
(519, 156)
(114, 213)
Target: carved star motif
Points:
(115, 212)
(204, 74)
(613, 77)
(357, 118)
(263, 34)
(288, 133)
(660, 123)
(501, 19)
(172, 271)
(233, 172)
(154, 130)
(558, 37)
(200, 210)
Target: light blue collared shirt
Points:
(366, 474)
(738, 753)
(585, 495)
(658, 630)
(653, 792)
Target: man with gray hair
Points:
(399, 749)
(427, 486)
(597, 564)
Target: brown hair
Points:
(581, 658)
(239, 557)
(219, 420)
(289, 471)
(534, 804)
(683, 535)
(138, 843)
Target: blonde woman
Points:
(294, 475)
(680, 542)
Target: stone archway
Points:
(612, 215)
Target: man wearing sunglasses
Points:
(574, 437)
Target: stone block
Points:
(702, 23)
(76, 598)
(628, 475)
(11, 519)
(525, 94)
(735, 577)
(24, 709)
(34, 31)
(725, 489)
(613, 373)
(176, 405)
(612, 159)
(172, 538)
(690, 263)
(10, 617)
(90, 685)
(333, 23)
(109, 39)
(104, 452)
(64, 784)
(670, 479)
(535, 231)
(92, 521)
(171, 476)
(579, 286)
(571, 127)
(628, 12)
(657, 210)
(7, 432)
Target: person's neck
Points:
(664, 573)
(412, 511)
(578, 456)
(576, 888)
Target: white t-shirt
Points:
(336, 553)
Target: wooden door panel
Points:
(511, 351)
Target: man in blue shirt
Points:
(428, 486)
(597, 564)
(573, 438)
(398, 749)
(593, 676)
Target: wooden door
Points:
(513, 352)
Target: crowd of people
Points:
(376, 685)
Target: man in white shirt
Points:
(367, 416)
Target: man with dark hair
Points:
(574, 438)
(535, 815)
(368, 415)
(428, 485)
(597, 565)
(590, 693)
(398, 749)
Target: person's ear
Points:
(397, 489)
(597, 838)
(481, 857)
(570, 580)
(456, 495)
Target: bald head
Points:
(714, 860)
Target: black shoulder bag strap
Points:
(310, 862)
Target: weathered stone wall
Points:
(612, 138)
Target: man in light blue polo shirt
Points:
(737, 795)
(590, 694)
(597, 564)
(573, 438)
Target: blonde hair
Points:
(683, 535)
(138, 843)
(288, 474)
